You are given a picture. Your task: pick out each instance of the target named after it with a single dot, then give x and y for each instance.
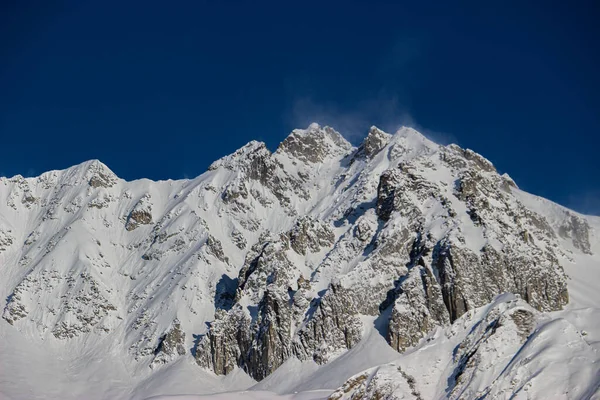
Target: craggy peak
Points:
(315, 267)
(358, 200)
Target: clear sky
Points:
(160, 89)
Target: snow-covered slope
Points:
(399, 268)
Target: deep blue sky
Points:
(161, 89)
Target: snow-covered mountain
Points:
(398, 269)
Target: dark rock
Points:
(310, 235)
(170, 345)
(389, 182)
(578, 230)
(417, 310)
(141, 214)
(215, 248)
(227, 341)
(314, 144)
(271, 343)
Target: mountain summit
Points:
(397, 269)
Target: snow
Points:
(561, 358)
(244, 395)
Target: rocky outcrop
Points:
(314, 144)
(20, 194)
(215, 248)
(141, 214)
(578, 230)
(100, 176)
(170, 345)
(255, 163)
(450, 268)
(386, 193)
(14, 309)
(225, 345)
(271, 340)
(6, 239)
(258, 347)
(80, 309)
(238, 239)
(469, 280)
(266, 263)
(310, 235)
(417, 310)
(332, 327)
(375, 141)
(268, 279)
(388, 382)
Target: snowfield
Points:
(400, 269)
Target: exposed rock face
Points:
(266, 263)
(386, 193)
(424, 250)
(375, 141)
(171, 345)
(222, 349)
(465, 277)
(270, 345)
(418, 309)
(266, 279)
(20, 193)
(100, 175)
(314, 144)
(310, 235)
(141, 214)
(216, 249)
(238, 239)
(469, 280)
(14, 309)
(259, 168)
(578, 230)
(334, 326)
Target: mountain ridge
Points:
(270, 257)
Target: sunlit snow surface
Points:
(560, 359)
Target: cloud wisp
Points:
(586, 203)
(386, 113)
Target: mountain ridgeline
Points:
(276, 255)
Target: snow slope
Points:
(112, 289)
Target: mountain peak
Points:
(97, 173)
(408, 132)
(314, 144)
(375, 141)
(93, 171)
(241, 155)
(414, 142)
(314, 126)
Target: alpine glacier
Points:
(398, 269)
